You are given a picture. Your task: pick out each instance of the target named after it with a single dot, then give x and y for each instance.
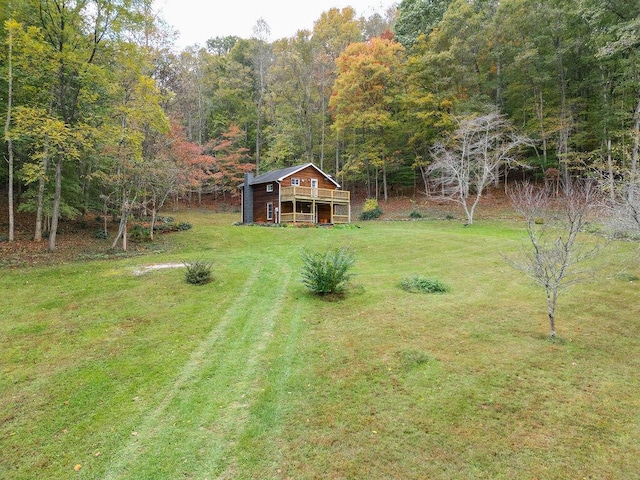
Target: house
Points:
(301, 194)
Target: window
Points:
(270, 211)
(295, 182)
(269, 187)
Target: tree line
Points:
(103, 113)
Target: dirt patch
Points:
(493, 204)
(159, 266)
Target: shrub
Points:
(370, 210)
(421, 284)
(627, 277)
(415, 214)
(139, 234)
(198, 272)
(101, 234)
(328, 272)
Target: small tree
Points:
(472, 158)
(553, 225)
(327, 272)
(198, 272)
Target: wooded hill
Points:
(101, 112)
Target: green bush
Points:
(371, 209)
(627, 277)
(415, 214)
(327, 272)
(101, 234)
(421, 284)
(139, 234)
(198, 272)
(163, 227)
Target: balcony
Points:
(314, 194)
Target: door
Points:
(314, 187)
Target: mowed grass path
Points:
(146, 377)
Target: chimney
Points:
(247, 199)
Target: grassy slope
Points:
(251, 377)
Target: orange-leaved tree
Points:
(365, 102)
(232, 160)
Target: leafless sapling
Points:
(554, 246)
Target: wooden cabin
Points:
(300, 194)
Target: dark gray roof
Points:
(275, 175)
(278, 175)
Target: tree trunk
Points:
(552, 325)
(7, 126)
(337, 153)
(323, 127)
(105, 213)
(122, 228)
(636, 139)
(543, 135)
(37, 236)
(424, 171)
(565, 120)
(384, 181)
(611, 179)
(634, 154)
(55, 215)
(154, 214)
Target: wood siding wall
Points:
(260, 199)
(307, 174)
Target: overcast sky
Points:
(198, 20)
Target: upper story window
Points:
(295, 182)
(269, 187)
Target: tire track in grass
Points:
(217, 384)
(222, 463)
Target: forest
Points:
(103, 113)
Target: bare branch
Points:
(471, 159)
(553, 228)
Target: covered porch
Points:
(314, 205)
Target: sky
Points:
(198, 20)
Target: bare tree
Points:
(554, 247)
(625, 218)
(472, 158)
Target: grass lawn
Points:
(105, 374)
